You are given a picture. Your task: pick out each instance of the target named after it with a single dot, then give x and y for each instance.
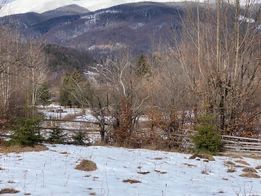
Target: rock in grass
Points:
(86, 165)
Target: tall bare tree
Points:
(222, 70)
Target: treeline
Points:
(23, 75)
(213, 70)
(31, 70)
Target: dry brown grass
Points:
(258, 167)
(250, 175)
(131, 181)
(242, 162)
(249, 170)
(231, 170)
(21, 149)
(190, 165)
(158, 158)
(65, 153)
(241, 155)
(8, 191)
(86, 165)
(160, 172)
(229, 163)
(202, 156)
(143, 172)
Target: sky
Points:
(39, 6)
(23, 6)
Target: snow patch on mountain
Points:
(92, 18)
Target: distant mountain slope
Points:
(139, 26)
(61, 58)
(66, 10)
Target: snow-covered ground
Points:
(52, 173)
(55, 111)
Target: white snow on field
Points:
(58, 112)
(53, 173)
(88, 117)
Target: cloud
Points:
(39, 6)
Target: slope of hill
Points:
(138, 26)
(66, 10)
(61, 58)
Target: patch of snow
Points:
(116, 46)
(144, 118)
(57, 111)
(137, 26)
(86, 118)
(52, 173)
(245, 19)
(91, 73)
(92, 119)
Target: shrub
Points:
(207, 138)
(80, 139)
(26, 132)
(57, 136)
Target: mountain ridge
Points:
(113, 28)
(139, 27)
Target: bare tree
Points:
(223, 71)
(36, 69)
(129, 92)
(22, 71)
(120, 94)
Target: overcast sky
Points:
(23, 6)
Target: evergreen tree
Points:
(75, 90)
(26, 132)
(44, 95)
(57, 136)
(143, 68)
